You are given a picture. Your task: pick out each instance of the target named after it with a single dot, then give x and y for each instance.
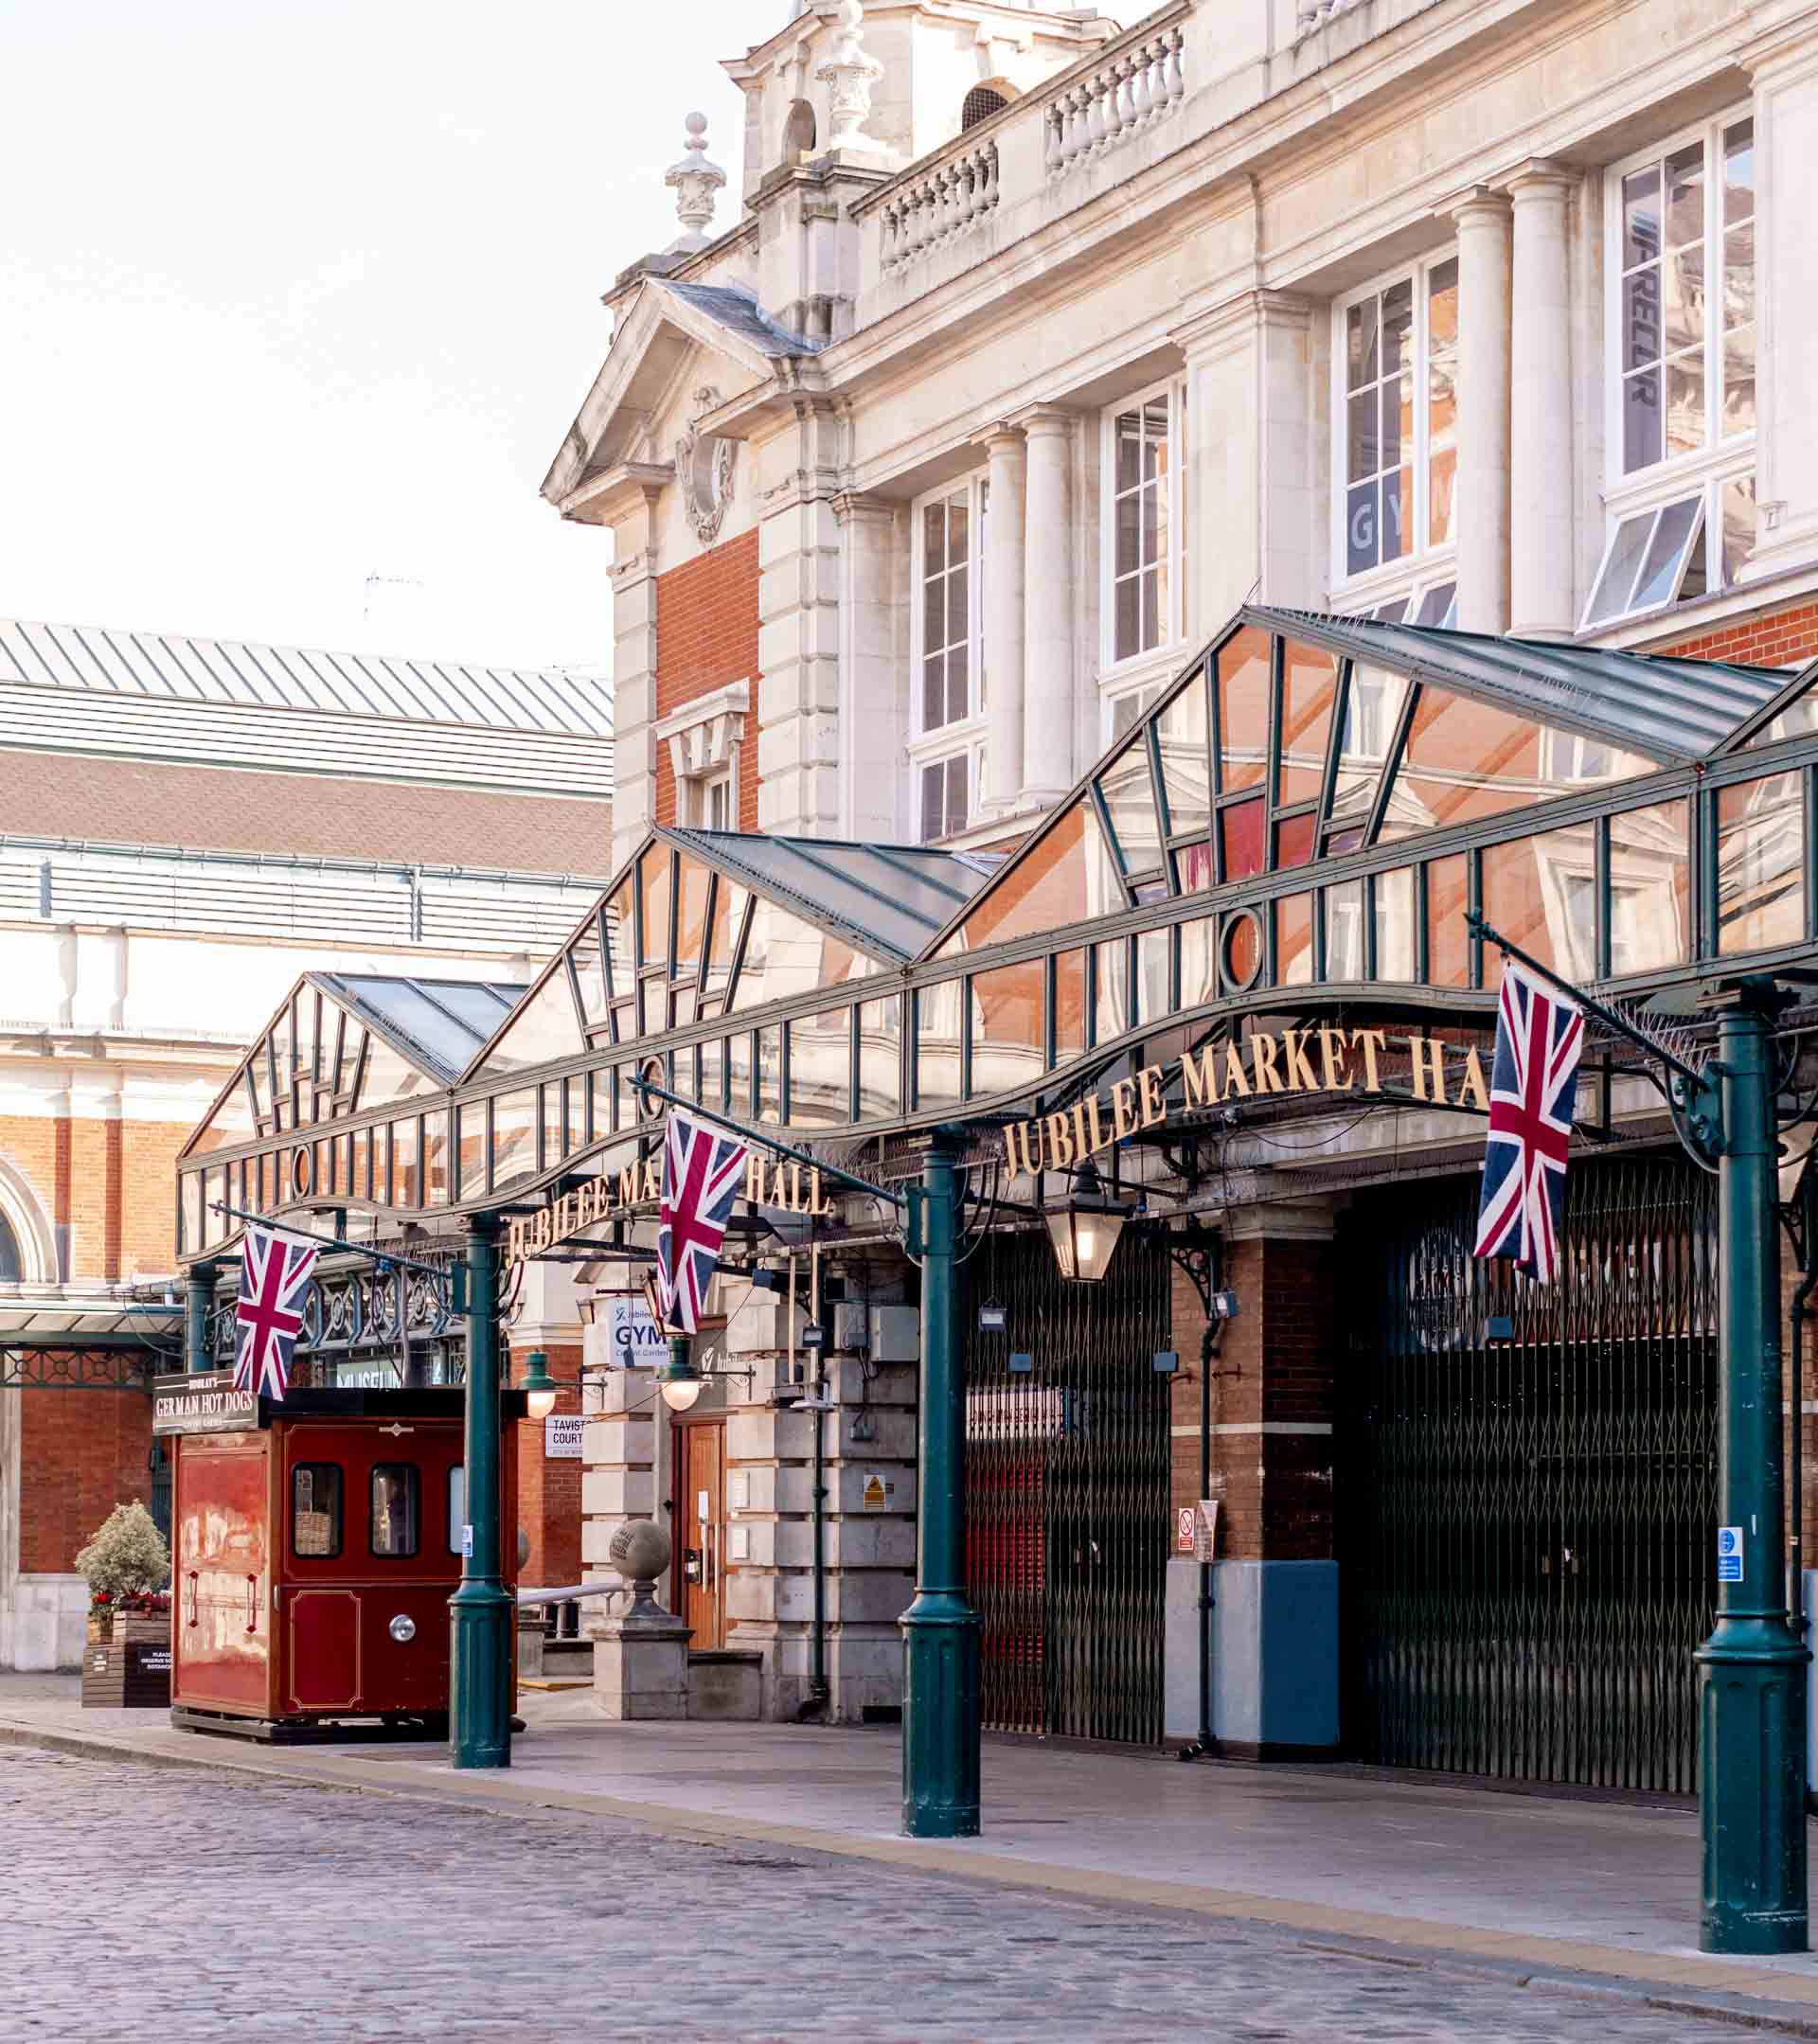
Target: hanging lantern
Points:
(1085, 1227)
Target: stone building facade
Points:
(1038, 341)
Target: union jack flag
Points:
(702, 1167)
(273, 1275)
(1533, 1089)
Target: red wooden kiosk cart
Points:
(316, 1544)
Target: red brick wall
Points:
(1789, 638)
(149, 1195)
(707, 636)
(1275, 1365)
(111, 1184)
(80, 1453)
(549, 1492)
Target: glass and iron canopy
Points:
(1301, 820)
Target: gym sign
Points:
(789, 1188)
(1322, 1060)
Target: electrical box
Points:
(852, 1326)
(896, 1334)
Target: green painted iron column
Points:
(940, 1629)
(481, 1611)
(1752, 1679)
(198, 1303)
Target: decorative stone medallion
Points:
(703, 467)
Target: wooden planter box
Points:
(129, 1668)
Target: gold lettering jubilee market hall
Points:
(1099, 1317)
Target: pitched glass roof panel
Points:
(1669, 710)
(439, 1023)
(1795, 711)
(889, 900)
(1066, 874)
(546, 1027)
(1464, 760)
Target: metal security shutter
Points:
(1067, 1490)
(1526, 1522)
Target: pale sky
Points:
(293, 293)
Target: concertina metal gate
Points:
(1526, 1521)
(1067, 1489)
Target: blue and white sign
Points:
(638, 1343)
(1729, 1553)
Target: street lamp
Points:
(539, 1387)
(1085, 1227)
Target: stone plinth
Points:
(641, 1662)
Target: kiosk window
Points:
(456, 1507)
(394, 1508)
(316, 1511)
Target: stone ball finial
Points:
(639, 1550)
(695, 183)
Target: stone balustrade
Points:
(1313, 14)
(930, 211)
(1140, 86)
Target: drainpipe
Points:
(1208, 1352)
(816, 1699)
(1210, 1342)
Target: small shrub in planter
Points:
(127, 1558)
(127, 1566)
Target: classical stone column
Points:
(798, 638)
(1005, 599)
(1783, 62)
(1482, 503)
(633, 574)
(1252, 509)
(1542, 490)
(874, 703)
(1048, 709)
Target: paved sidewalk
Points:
(1525, 1884)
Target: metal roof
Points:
(439, 1024)
(740, 313)
(891, 898)
(147, 663)
(1675, 711)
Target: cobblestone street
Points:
(193, 1906)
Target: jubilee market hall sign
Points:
(788, 1186)
(1322, 1060)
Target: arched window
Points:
(798, 131)
(982, 101)
(12, 1265)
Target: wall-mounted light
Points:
(679, 1380)
(539, 1387)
